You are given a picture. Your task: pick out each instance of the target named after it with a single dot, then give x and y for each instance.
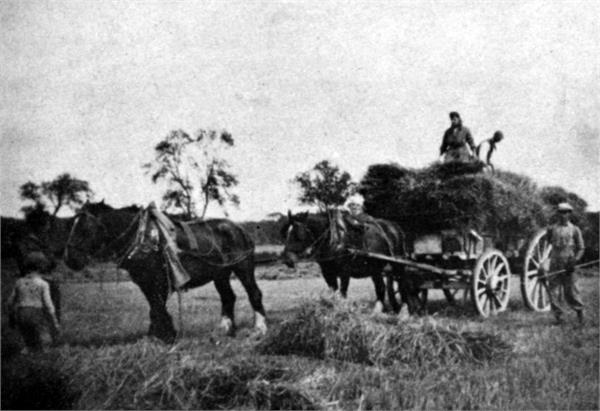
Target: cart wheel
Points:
(534, 292)
(491, 283)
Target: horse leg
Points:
(227, 305)
(379, 291)
(344, 282)
(246, 276)
(330, 275)
(392, 277)
(161, 324)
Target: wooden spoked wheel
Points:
(534, 291)
(491, 283)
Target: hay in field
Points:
(338, 330)
(30, 383)
(446, 196)
(151, 375)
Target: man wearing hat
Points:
(567, 249)
(31, 307)
(491, 143)
(457, 141)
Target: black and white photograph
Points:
(300, 205)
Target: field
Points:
(104, 361)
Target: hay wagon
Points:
(477, 265)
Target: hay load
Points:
(454, 196)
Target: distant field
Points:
(109, 364)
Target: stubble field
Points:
(104, 361)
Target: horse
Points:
(327, 238)
(223, 247)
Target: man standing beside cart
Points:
(567, 249)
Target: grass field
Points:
(105, 362)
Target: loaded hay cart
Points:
(470, 231)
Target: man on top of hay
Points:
(567, 250)
(457, 141)
(491, 143)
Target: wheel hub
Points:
(491, 283)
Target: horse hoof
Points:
(404, 313)
(378, 309)
(226, 326)
(337, 295)
(260, 324)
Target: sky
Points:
(90, 87)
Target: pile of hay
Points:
(150, 375)
(341, 331)
(446, 196)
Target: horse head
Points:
(301, 234)
(88, 234)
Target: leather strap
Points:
(193, 243)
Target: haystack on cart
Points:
(477, 265)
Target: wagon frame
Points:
(480, 266)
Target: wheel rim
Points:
(491, 283)
(533, 289)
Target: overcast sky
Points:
(90, 87)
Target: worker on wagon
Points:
(567, 249)
(30, 306)
(491, 143)
(355, 205)
(457, 144)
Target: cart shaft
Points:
(406, 262)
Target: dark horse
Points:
(327, 238)
(223, 247)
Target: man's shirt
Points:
(566, 240)
(456, 137)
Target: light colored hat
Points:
(355, 199)
(565, 207)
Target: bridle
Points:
(311, 250)
(103, 230)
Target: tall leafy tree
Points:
(64, 191)
(194, 171)
(324, 185)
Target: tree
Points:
(64, 191)
(194, 171)
(325, 185)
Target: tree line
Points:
(194, 173)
